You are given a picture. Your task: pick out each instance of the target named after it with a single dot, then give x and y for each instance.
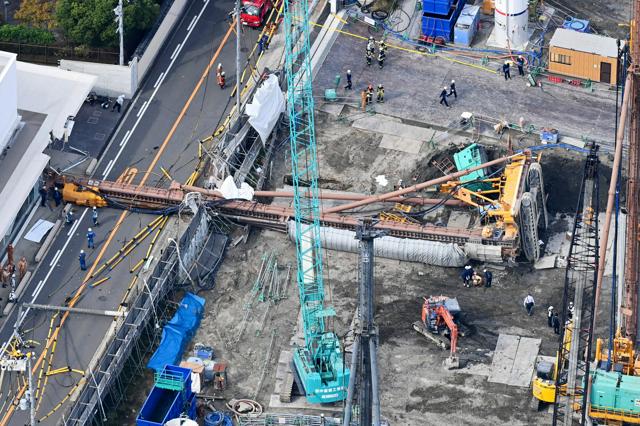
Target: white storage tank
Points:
(511, 24)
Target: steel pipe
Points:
(417, 187)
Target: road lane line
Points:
(126, 137)
(158, 80)
(141, 109)
(173, 55)
(153, 95)
(37, 289)
(55, 257)
(192, 22)
(109, 165)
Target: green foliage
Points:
(22, 34)
(92, 22)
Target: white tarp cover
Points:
(268, 103)
(423, 251)
(230, 191)
(38, 230)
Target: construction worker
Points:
(550, 316)
(382, 46)
(220, 76)
(381, 57)
(369, 57)
(443, 98)
(466, 275)
(380, 94)
(22, 267)
(363, 100)
(488, 277)
(43, 196)
(529, 303)
(506, 70)
(556, 323)
(369, 94)
(263, 43)
(520, 63)
(476, 279)
(452, 89)
(83, 260)
(13, 282)
(570, 311)
(69, 217)
(349, 85)
(94, 216)
(371, 45)
(90, 236)
(57, 196)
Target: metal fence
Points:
(51, 55)
(139, 333)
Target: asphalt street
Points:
(161, 129)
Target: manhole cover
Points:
(102, 298)
(96, 113)
(92, 120)
(99, 136)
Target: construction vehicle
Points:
(439, 325)
(512, 203)
(318, 366)
(615, 385)
(254, 12)
(543, 386)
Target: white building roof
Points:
(585, 42)
(53, 94)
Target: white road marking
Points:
(192, 22)
(158, 80)
(173, 55)
(126, 137)
(155, 91)
(55, 258)
(38, 288)
(64, 247)
(74, 227)
(110, 163)
(141, 110)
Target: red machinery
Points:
(254, 12)
(438, 322)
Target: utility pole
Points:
(32, 398)
(119, 12)
(238, 27)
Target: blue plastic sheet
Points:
(178, 332)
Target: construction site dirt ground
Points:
(415, 388)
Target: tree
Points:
(92, 22)
(37, 13)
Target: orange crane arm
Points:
(445, 316)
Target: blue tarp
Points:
(178, 332)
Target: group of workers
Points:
(371, 50)
(506, 67)
(473, 278)
(445, 94)
(553, 319)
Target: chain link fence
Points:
(51, 55)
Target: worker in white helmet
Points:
(550, 316)
(443, 97)
(452, 89)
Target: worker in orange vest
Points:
(220, 77)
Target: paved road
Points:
(156, 133)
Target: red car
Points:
(254, 12)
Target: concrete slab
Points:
(459, 219)
(513, 360)
(334, 109)
(546, 262)
(380, 124)
(410, 146)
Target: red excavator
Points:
(439, 325)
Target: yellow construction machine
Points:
(543, 386)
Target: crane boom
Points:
(580, 285)
(318, 366)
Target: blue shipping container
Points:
(438, 7)
(441, 26)
(467, 25)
